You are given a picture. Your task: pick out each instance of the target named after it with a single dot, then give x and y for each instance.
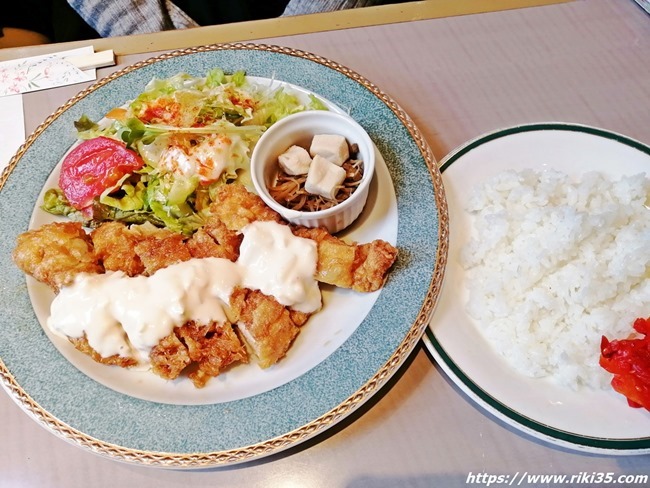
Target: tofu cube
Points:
(331, 147)
(295, 161)
(324, 177)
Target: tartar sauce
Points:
(281, 265)
(207, 160)
(128, 316)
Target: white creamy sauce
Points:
(128, 316)
(281, 265)
(207, 160)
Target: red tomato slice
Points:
(93, 166)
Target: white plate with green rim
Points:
(195, 429)
(592, 421)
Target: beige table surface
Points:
(584, 61)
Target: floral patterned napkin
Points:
(41, 72)
(25, 75)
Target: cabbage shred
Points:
(175, 124)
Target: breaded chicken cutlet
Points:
(237, 207)
(266, 326)
(258, 325)
(361, 267)
(202, 351)
(205, 350)
(55, 254)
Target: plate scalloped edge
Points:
(314, 427)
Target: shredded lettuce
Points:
(134, 131)
(125, 195)
(54, 202)
(315, 103)
(183, 112)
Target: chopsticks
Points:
(99, 59)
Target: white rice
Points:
(554, 263)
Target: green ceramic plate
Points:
(407, 205)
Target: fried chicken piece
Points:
(81, 344)
(169, 357)
(215, 240)
(373, 261)
(361, 267)
(115, 246)
(236, 207)
(55, 253)
(213, 347)
(298, 318)
(203, 351)
(161, 250)
(210, 348)
(266, 325)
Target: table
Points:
(584, 61)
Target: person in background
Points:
(42, 21)
(127, 17)
(302, 7)
(30, 22)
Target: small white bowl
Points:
(299, 129)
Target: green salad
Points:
(161, 157)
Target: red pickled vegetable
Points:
(629, 361)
